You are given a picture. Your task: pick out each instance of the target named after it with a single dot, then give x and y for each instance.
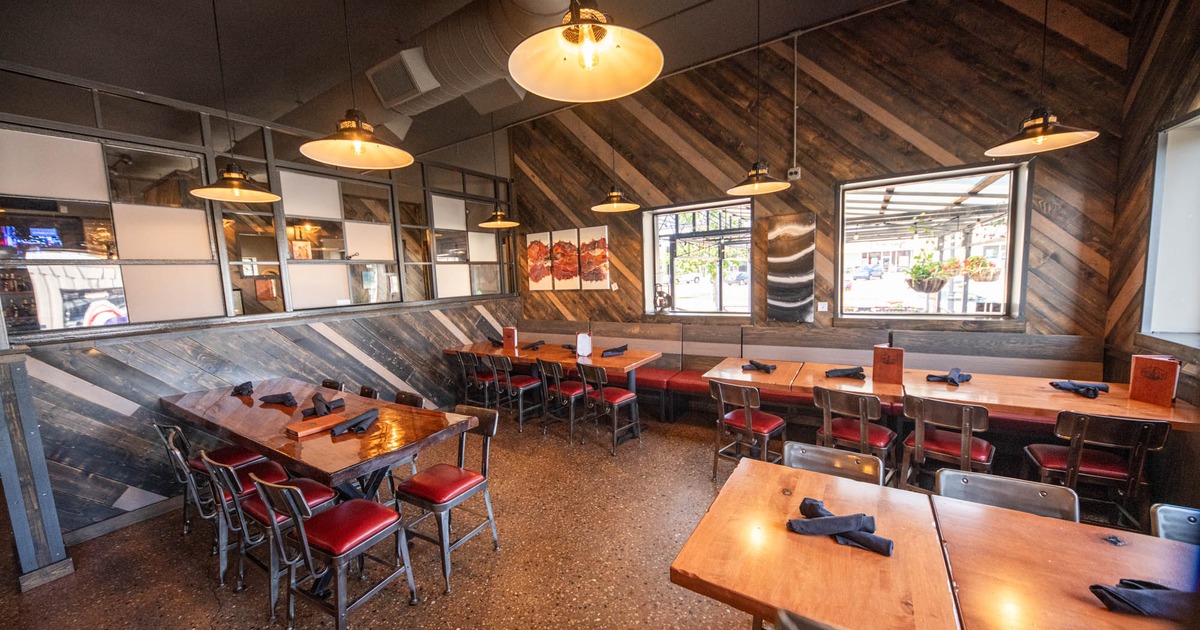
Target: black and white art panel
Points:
(791, 248)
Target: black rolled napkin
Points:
(862, 537)
(614, 352)
(569, 346)
(1139, 597)
(533, 346)
(286, 399)
(322, 407)
(245, 389)
(496, 343)
(850, 372)
(358, 424)
(759, 365)
(1087, 390)
(955, 377)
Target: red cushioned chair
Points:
(476, 381)
(442, 487)
(650, 378)
(1116, 465)
(192, 475)
(738, 414)
(512, 388)
(559, 395)
(857, 426)
(225, 496)
(245, 514)
(326, 542)
(958, 446)
(603, 400)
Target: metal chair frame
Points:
(831, 461)
(474, 390)
(1138, 437)
(554, 401)
(730, 397)
(507, 394)
(489, 421)
(178, 450)
(965, 419)
(595, 407)
(1175, 522)
(1042, 499)
(867, 409)
(282, 499)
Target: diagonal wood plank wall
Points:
(97, 400)
(920, 85)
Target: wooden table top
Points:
(400, 432)
(1018, 570)
(813, 375)
(631, 360)
(742, 554)
(1033, 396)
(730, 371)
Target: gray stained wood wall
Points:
(920, 85)
(96, 401)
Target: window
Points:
(700, 259)
(1172, 304)
(945, 244)
(466, 256)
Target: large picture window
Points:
(701, 259)
(940, 244)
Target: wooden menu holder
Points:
(315, 425)
(889, 364)
(1153, 379)
(510, 337)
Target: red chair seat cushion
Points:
(688, 382)
(343, 527)
(485, 377)
(440, 483)
(949, 443)
(234, 456)
(520, 381)
(1093, 462)
(787, 398)
(570, 389)
(847, 429)
(613, 395)
(267, 471)
(647, 377)
(314, 494)
(760, 421)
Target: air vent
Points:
(402, 77)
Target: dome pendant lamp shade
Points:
(355, 145)
(615, 202)
(235, 186)
(1039, 133)
(586, 59)
(757, 182)
(498, 221)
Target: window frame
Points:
(650, 249)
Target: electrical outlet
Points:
(793, 173)
(822, 307)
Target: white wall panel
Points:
(158, 233)
(314, 286)
(36, 165)
(310, 196)
(449, 213)
(372, 241)
(162, 292)
(453, 280)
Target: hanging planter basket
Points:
(985, 275)
(927, 285)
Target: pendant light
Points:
(234, 184)
(497, 221)
(1041, 131)
(354, 144)
(758, 181)
(586, 59)
(615, 201)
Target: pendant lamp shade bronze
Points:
(235, 186)
(1039, 133)
(498, 221)
(615, 202)
(586, 59)
(355, 145)
(757, 181)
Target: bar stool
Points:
(957, 446)
(512, 389)
(738, 414)
(559, 394)
(858, 428)
(604, 401)
(186, 468)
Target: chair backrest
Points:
(552, 375)
(178, 450)
(1042, 499)
(832, 461)
(330, 383)
(966, 419)
(1175, 522)
(410, 399)
(729, 397)
(865, 407)
(489, 424)
(225, 489)
(595, 378)
(366, 391)
(1136, 436)
(288, 501)
(502, 366)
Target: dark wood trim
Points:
(84, 534)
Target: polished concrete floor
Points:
(586, 541)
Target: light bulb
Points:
(588, 58)
(358, 147)
(237, 192)
(1039, 140)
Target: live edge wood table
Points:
(400, 433)
(742, 554)
(626, 363)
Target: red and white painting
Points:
(537, 251)
(593, 258)
(564, 259)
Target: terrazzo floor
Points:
(586, 541)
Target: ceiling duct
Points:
(462, 53)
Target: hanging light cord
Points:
(221, 71)
(1045, 32)
(612, 144)
(757, 80)
(349, 54)
(795, 97)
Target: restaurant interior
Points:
(600, 313)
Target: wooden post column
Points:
(40, 550)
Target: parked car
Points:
(738, 278)
(867, 272)
(688, 278)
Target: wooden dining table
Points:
(400, 432)
(1017, 570)
(626, 363)
(732, 370)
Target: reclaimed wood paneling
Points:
(96, 401)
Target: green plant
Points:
(924, 267)
(977, 264)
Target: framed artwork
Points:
(301, 250)
(593, 258)
(537, 251)
(264, 289)
(791, 251)
(564, 259)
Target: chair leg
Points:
(613, 412)
(402, 555)
(444, 540)
(637, 420)
(520, 411)
(716, 452)
(571, 423)
(273, 572)
(187, 523)
(487, 501)
(291, 599)
(341, 594)
(766, 444)
(904, 469)
(222, 549)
